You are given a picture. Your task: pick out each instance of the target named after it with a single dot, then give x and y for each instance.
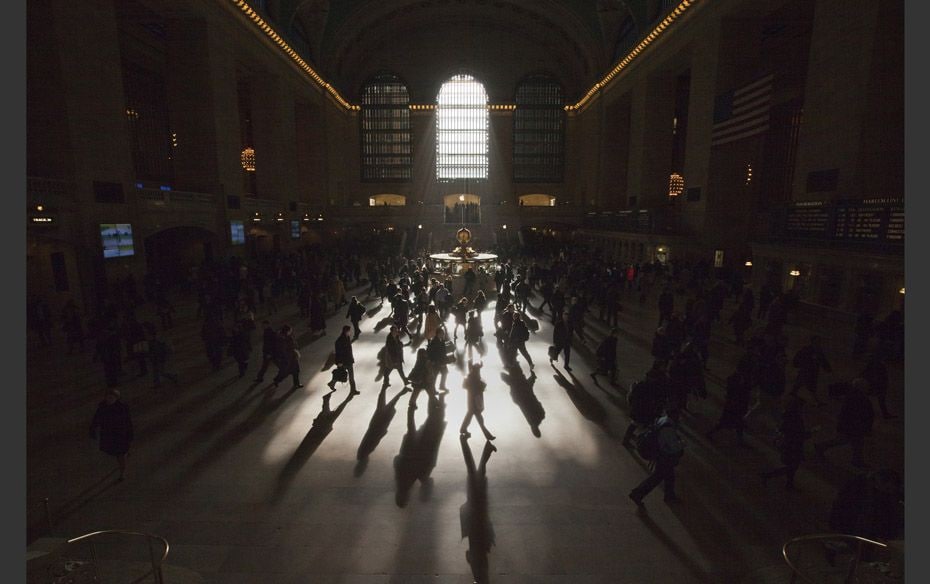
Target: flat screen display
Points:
(116, 239)
(237, 232)
(295, 229)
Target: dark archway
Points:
(172, 252)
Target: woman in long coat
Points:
(115, 424)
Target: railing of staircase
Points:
(150, 540)
(859, 545)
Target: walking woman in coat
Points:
(288, 358)
(115, 425)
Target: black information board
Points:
(811, 221)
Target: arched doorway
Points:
(170, 253)
(387, 200)
(537, 201)
(462, 208)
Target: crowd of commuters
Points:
(574, 287)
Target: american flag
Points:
(742, 112)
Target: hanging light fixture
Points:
(247, 158)
(676, 185)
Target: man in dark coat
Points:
(519, 335)
(269, 349)
(345, 358)
(115, 424)
(853, 424)
(562, 339)
(240, 346)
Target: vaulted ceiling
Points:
(426, 41)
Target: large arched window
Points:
(462, 130)
(538, 130)
(386, 150)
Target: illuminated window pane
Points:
(462, 130)
(538, 130)
(386, 148)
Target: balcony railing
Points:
(164, 198)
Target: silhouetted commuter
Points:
(345, 358)
(355, 313)
(562, 340)
(475, 386)
(607, 357)
(810, 360)
(114, 422)
(269, 349)
(792, 435)
(391, 357)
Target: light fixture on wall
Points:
(794, 273)
(257, 218)
(748, 174)
(748, 263)
(279, 217)
(676, 185)
(247, 158)
(901, 291)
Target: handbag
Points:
(449, 348)
(340, 374)
(553, 352)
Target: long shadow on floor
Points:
(473, 514)
(521, 392)
(419, 451)
(72, 506)
(322, 426)
(234, 435)
(377, 428)
(699, 574)
(586, 404)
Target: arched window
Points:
(462, 130)
(538, 131)
(386, 150)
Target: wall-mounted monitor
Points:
(116, 239)
(237, 232)
(295, 229)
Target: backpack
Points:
(660, 440)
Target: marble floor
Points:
(254, 484)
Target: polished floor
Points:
(254, 484)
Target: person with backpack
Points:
(662, 445)
(647, 399)
(607, 358)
